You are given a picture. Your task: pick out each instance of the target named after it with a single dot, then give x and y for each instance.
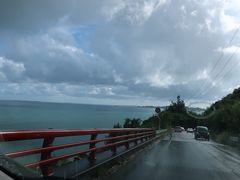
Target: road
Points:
(182, 157)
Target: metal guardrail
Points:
(160, 131)
(158, 134)
(113, 139)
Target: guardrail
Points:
(113, 139)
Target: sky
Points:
(125, 52)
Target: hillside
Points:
(173, 115)
(226, 116)
(222, 117)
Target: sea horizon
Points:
(19, 114)
(54, 102)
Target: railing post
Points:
(114, 148)
(127, 143)
(136, 141)
(47, 170)
(92, 155)
(155, 133)
(146, 138)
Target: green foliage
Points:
(174, 115)
(118, 125)
(132, 123)
(225, 118)
(227, 113)
(129, 123)
(223, 138)
(151, 122)
(178, 106)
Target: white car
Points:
(190, 130)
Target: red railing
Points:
(114, 138)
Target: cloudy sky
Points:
(133, 52)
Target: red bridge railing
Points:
(113, 139)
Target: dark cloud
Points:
(120, 51)
(28, 16)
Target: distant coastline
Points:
(19, 102)
(74, 103)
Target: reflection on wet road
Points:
(182, 157)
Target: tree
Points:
(177, 106)
(118, 125)
(132, 123)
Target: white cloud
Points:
(209, 24)
(229, 15)
(55, 57)
(136, 12)
(203, 75)
(230, 50)
(183, 9)
(161, 81)
(116, 51)
(194, 13)
(10, 70)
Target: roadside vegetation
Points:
(173, 115)
(223, 123)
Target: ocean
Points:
(22, 115)
(41, 115)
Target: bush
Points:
(223, 138)
(132, 123)
(118, 125)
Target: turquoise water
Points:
(38, 115)
(16, 115)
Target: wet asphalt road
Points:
(182, 157)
